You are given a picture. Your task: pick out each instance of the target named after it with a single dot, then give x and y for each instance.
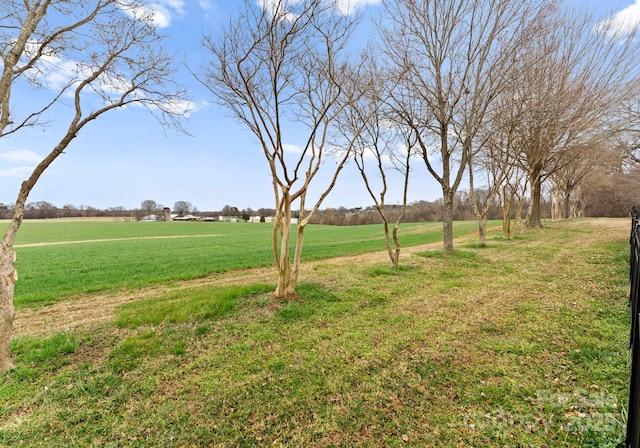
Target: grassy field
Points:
(522, 343)
(114, 255)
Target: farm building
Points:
(185, 218)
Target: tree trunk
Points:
(482, 228)
(506, 223)
(523, 224)
(567, 204)
(391, 250)
(447, 223)
(536, 197)
(293, 277)
(506, 214)
(284, 262)
(555, 205)
(8, 278)
(395, 256)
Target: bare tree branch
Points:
(107, 59)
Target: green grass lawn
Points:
(522, 343)
(134, 254)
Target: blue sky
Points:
(126, 157)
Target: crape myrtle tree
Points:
(279, 67)
(383, 150)
(496, 160)
(78, 59)
(450, 57)
(568, 179)
(493, 163)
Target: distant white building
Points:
(186, 218)
(267, 219)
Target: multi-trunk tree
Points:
(383, 150)
(81, 58)
(280, 67)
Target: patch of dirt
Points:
(82, 311)
(60, 243)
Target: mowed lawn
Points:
(112, 255)
(519, 343)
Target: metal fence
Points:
(633, 423)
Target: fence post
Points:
(633, 423)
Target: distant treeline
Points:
(606, 203)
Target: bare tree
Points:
(512, 190)
(229, 210)
(573, 74)
(611, 188)
(183, 207)
(108, 53)
(627, 126)
(150, 207)
(279, 67)
(450, 55)
(381, 146)
(495, 161)
(579, 163)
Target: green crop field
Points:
(101, 256)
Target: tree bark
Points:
(447, 223)
(284, 262)
(8, 274)
(507, 200)
(293, 278)
(395, 254)
(567, 204)
(482, 229)
(536, 197)
(8, 278)
(506, 221)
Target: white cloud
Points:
(293, 149)
(205, 4)
(180, 107)
(160, 12)
(22, 172)
(20, 156)
(56, 74)
(623, 22)
(346, 7)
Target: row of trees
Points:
(48, 210)
(514, 96)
